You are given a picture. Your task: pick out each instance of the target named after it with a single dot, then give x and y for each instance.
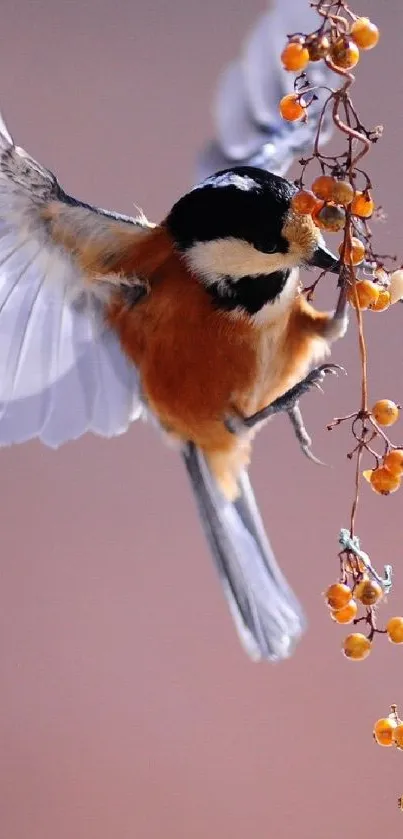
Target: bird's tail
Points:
(267, 614)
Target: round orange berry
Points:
(383, 731)
(318, 48)
(338, 595)
(354, 253)
(385, 412)
(364, 33)
(394, 628)
(362, 205)
(368, 592)
(356, 646)
(346, 614)
(383, 481)
(397, 736)
(396, 285)
(394, 461)
(292, 107)
(344, 53)
(343, 193)
(323, 186)
(304, 202)
(382, 302)
(295, 56)
(367, 293)
(329, 217)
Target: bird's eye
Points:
(267, 247)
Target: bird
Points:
(197, 323)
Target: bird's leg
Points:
(287, 403)
(289, 399)
(336, 325)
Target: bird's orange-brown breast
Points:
(192, 358)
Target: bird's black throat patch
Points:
(247, 293)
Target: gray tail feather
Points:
(267, 615)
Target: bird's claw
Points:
(302, 435)
(317, 376)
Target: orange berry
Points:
(385, 412)
(346, 614)
(344, 53)
(396, 285)
(295, 56)
(382, 302)
(384, 482)
(304, 202)
(329, 217)
(318, 48)
(323, 187)
(356, 646)
(362, 205)
(394, 461)
(397, 736)
(394, 628)
(343, 193)
(364, 33)
(338, 595)
(368, 592)
(383, 731)
(367, 294)
(353, 254)
(292, 107)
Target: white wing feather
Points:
(248, 127)
(62, 370)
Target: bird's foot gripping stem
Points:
(288, 403)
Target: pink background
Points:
(127, 708)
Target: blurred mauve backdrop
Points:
(128, 708)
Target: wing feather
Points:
(62, 369)
(248, 127)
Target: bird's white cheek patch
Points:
(234, 258)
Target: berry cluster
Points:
(339, 46)
(344, 600)
(339, 200)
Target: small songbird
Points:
(198, 323)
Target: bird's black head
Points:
(238, 225)
(241, 203)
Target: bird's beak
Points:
(324, 259)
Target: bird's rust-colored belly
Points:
(195, 362)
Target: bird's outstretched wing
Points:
(62, 371)
(248, 127)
